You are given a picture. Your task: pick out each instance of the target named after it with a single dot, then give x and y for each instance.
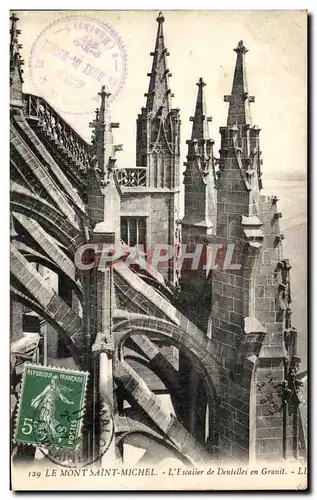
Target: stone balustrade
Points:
(132, 177)
(57, 128)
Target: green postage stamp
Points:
(51, 407)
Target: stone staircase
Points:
(58, 136)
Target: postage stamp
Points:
(51, 407)
(72, 58)
(78, 458)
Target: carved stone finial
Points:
(241, 48)
(103, 106)
(201, 82)
(160, 18)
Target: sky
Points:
(201, 45)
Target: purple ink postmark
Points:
(72, 58)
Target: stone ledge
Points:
(252, 325)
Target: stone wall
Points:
(159, 207)
(247, 322)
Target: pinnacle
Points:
(16, 61)
(160, 18)
(104, 105)
(159, 93)
(14, 17)
(14, 32)
(201, 83)
(241, 48)
(200, 120)
(103, 93)
(239, 112)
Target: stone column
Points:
(107, 438)
(102, 351)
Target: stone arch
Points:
(32, 304)
(164, 420)
(155, 327)
(168, 378)
(146, 353)
(52, 306)
(130, 422)
(159, 287)
(158, 441)
(56, 224)
(199, 351)
(33, 256)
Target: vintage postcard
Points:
(158, 223)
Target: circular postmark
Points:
(53, 438)
(73, 58)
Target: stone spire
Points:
(158, 156)
(200, 144)
(103, 191)
(199, 176)
(16, 64)
(98, 126)
(239, 163)
(159, 94)
(200, 120)
(102, 141)
(158, 124)
(239, 108)
(104, 96)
